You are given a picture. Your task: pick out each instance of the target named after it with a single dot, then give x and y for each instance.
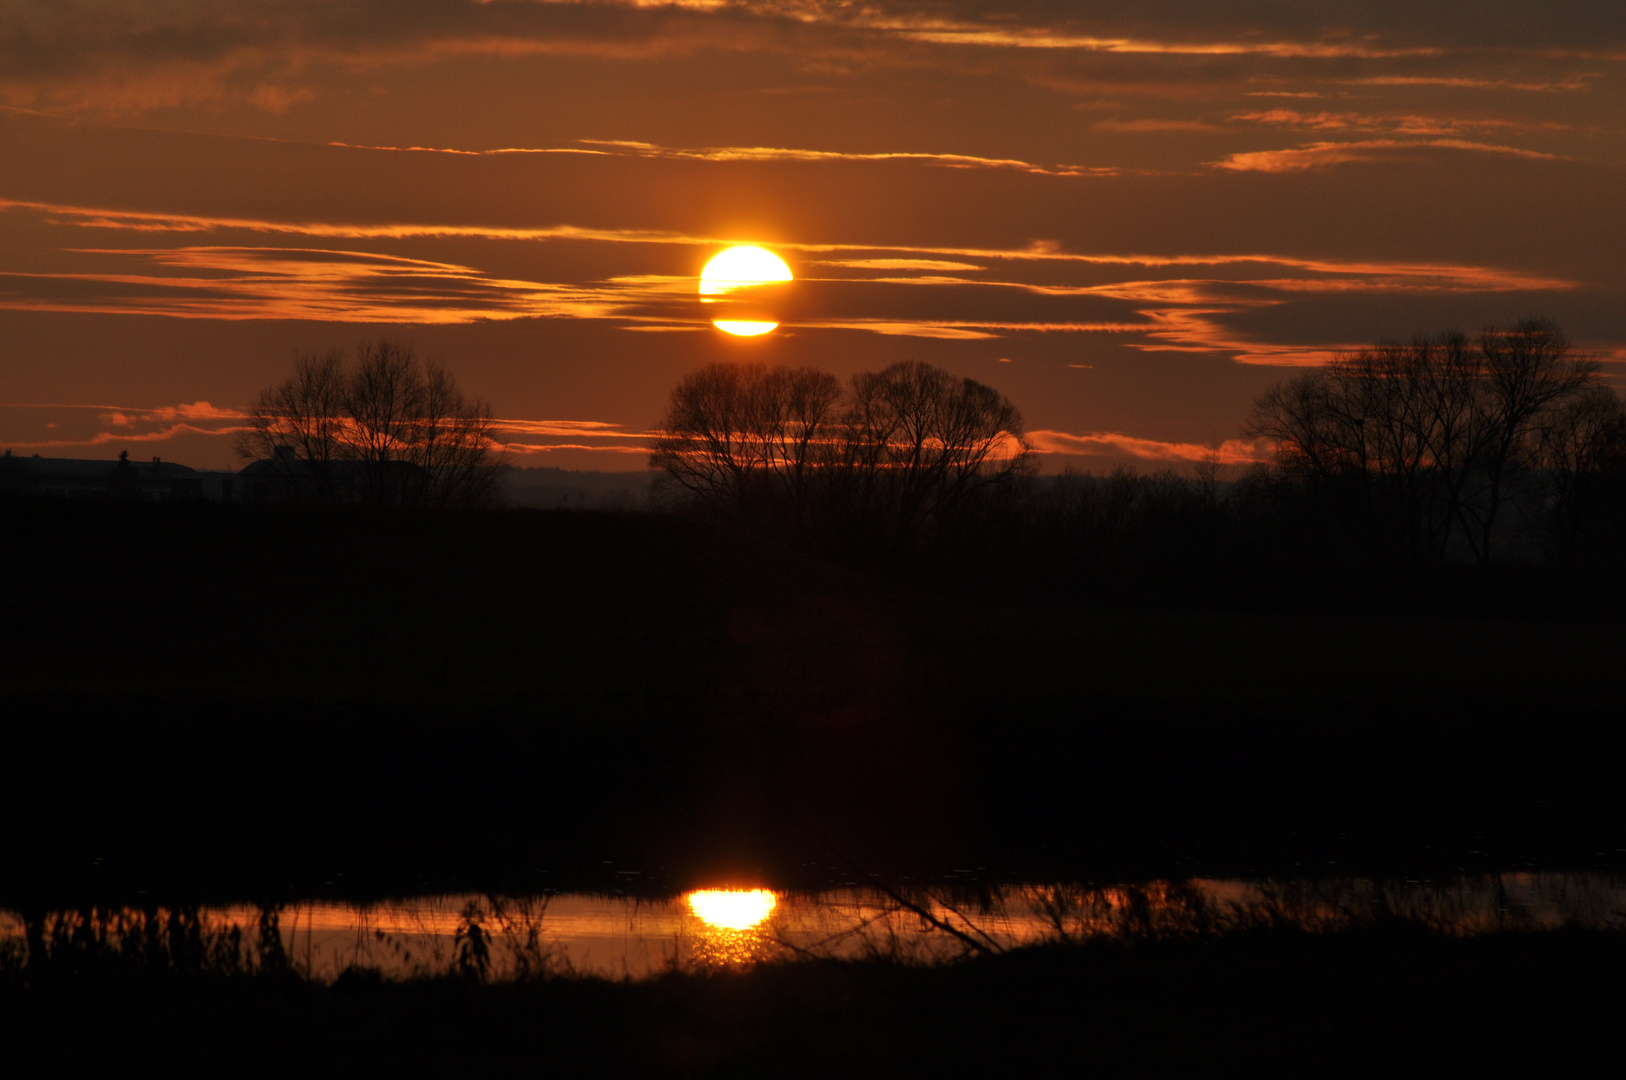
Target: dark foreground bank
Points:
(1342, 1004)
(206, 704)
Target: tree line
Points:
(1447, 449)
(1430, 451)
(1505, 447)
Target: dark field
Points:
(235, 703)
(208, 704)
(1306, 1005)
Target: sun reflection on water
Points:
(732, 909)
(733, 926)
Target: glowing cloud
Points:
(1322, 154)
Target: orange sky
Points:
(1130, 218)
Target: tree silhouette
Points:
(889, 457)
(747, 435)
(386, 429)
(1409, 447)
(917, 444)
(1583, 453)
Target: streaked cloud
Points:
(1111, 444)
(1571, 84)
(1156, 303)
(1037, 38)
(577, 429)
(1321, 155)
(131, 56)
(1394, 124)
(236, 283)
(57, 427)
(1154, 125)
(523, 438)
(768, 153)
(898, 264)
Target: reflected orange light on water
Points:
(622, 937)
(732, 909)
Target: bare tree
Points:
(1408, 446)
(797, 412)
(1369, 433)
(899, 449)
(1582, 454)
(747, 435)
(701, 447)
(454, 444)
(1527, 373)
(917, 443)
(387, 429)
(302, 418)
(384, 403)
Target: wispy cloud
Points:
(1321, 155)
(898, 264)
(577, 429)
(770, 153)
(549, 448)
(237, 283)
(47, 426)
(1396, 124)
(532, 437)
(1041, 38)
(50, 426)
(1180, 302)
(130, 56)
(161, 221)
(1112, 444)
(496, 152)
(1569, 84)
(1155, 125)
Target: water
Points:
(626, 937)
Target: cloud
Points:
(1398, 124)
(1569, 84)
(87, 426)
(131, 56)
(1117, 444)
(1169, 303)
(768, 153)
(898, 264)
(1038, 38)
(547, 448)
(320, 285)
(600, 429)
(92, 426)
(117, 437)
(525, 437)
(1324, 154)
(1152, 125)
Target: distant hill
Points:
(577, 489)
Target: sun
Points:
(737, 269)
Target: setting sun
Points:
(737, 269)
(743, 327)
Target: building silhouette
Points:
(125, 480)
